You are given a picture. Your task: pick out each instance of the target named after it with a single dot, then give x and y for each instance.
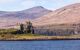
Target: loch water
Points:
(40, 45)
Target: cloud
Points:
(33, 3)
(28, 3)
(6, 1)
(44, 3)
(78, 1)
(25, 4)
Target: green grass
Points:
(7, 34)
(5, 31)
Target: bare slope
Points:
(67, 14)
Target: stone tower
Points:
(27, 28)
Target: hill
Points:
(63, 21)
(8, 19)
(68, 14)
(31, 13)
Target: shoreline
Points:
(32, 37)
(41, 38)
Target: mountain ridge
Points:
(31, 13)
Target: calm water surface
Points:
(40, 45)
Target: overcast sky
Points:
(17, 5)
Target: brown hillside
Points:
(67, 14)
